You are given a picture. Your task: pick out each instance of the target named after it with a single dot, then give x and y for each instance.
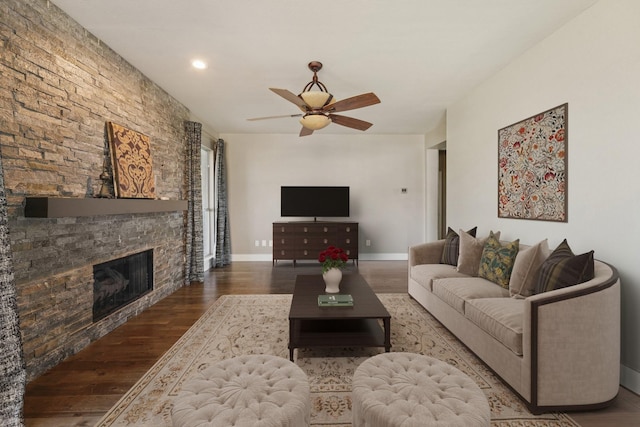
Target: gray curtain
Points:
(194, 268)
(223, 235)
(12, 368)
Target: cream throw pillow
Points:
(526, 269)
(471, 253)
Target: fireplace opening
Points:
(121, 281)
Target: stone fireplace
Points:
(59, 310)
(53, 146)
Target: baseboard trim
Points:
(251, 257)
(630, 379)
(362, 257)
(384, 257)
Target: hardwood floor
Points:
(81, 389)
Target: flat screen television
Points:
(314, 201)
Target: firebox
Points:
(121, 281)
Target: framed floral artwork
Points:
(532, 167)
(131, 159)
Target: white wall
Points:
(375, 167)
(593, 63)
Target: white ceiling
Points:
(418, 56)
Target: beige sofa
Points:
(559, 350)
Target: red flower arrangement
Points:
(333, 257)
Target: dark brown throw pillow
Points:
(452, 246)
(562, 269)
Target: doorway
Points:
(442, 193)
(436, 192)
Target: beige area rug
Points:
(258, 324)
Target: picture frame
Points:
(532, 167)
(130, 153)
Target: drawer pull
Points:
(326, 241)
(348, 241)
(325, 229)
(348, 229)
(305, 229)
(305, 241)
(282, 241)
(306, 253)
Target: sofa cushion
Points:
(456, 290)
(526, 269)
(497, 260)
(424, 274)
(499, 317)
(452, 246)
(471, 252)
(562, 269)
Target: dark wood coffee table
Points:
(355, 326)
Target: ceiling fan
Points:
(319, 106)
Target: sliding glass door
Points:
(208, 213)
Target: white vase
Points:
(332, 278)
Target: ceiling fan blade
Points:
(350, 122)
(274, 117)
(305, 132)
(291, 97)
(352, 103)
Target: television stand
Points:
(304, 240)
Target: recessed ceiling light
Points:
(200, 65)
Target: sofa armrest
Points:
(426, 253)
(573, 339)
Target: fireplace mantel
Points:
(58, 207)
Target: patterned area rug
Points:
(258, 324)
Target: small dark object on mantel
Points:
(105, 193)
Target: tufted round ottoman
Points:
(251, 391)
(406, 389)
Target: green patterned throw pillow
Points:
(497, 260)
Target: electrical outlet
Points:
(367, 242)
(264, 243)
(270, 243)
(257, 242)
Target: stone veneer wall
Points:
(58, 87)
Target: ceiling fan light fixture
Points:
(316, 98)
(319, 106)
(315, 121)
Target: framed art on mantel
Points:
(532, 167)
(131, 160)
